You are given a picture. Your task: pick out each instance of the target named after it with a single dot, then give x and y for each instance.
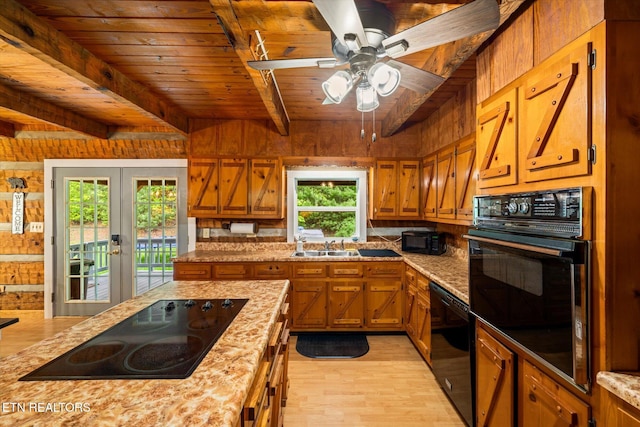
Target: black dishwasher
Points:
(452, 349)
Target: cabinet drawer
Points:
(410, 275)
(271, 271)
(232, 271)
(346, 269)
(192, 271)
(384, 269)
(317, 269)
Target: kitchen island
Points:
(213, 395)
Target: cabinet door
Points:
(411, 311)
(556, 118)
(266, 190)
(309, 304)
(346, 304)
(496, 138)
(465, 180)
(233, 187)
(409, 188)
(385, 189)
(494, 382)
(423, 336)
(384, 304)
(429, 187)
(545, 403)
(445, 172)
(203, 187)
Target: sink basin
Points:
(325, 253)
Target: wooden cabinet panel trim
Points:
(499, 114)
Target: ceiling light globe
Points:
(337, 86)
(366, 98)
(384, 78)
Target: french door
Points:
(116, 231)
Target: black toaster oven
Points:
(425, 242)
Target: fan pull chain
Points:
(373, 135)
(362, 129)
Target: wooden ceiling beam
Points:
(7, 129)
(31, 106)
(444, 61)
(25, 31)
(240, 40)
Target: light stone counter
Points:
(625, 385)
(213, 395)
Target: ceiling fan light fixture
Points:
(384, 78)
(337, 86)
(366, 97)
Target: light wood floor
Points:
(390, 386)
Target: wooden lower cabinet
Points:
(418, 311)
(544, 402)
(618, 413)
(384, 304)
(192, 271)
(346, 304)
(495, 381)
(309, 304)
(268, 394)
(528, 398)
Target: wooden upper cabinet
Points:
(465, 179)
(496, 140)
(203, 187)
(233, 187)
(266, 188)
(385, 197)
(556, 117)
(409, 188)
(396, 189)
(429, 188)
(445, 173)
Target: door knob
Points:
(116, 251)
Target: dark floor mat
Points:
(332, 345)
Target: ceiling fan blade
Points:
(419, 81)
(343, 18)
(275, 64)
(467, 20)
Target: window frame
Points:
(327, 174)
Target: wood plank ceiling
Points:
(102, 68)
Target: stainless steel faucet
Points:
(327, 245)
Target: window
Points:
(327, 204)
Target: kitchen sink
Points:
(325, 254)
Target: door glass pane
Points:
(155, 231)
(86, 239)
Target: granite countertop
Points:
(447, 270)
(213, 395)
(625, 385)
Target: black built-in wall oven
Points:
(529, 275)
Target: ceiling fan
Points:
(362, 38)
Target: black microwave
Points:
(425, 242)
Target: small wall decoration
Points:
(17, 215)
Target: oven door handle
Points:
(532, 248)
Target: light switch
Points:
(36, 227)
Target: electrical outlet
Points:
(36, 227)
(206, 233)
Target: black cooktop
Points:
(166, 340)
(379, 253)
